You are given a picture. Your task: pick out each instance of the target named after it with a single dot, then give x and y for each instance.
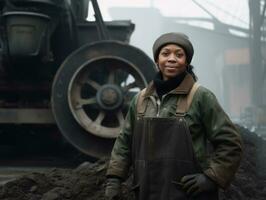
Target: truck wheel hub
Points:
(109, 97)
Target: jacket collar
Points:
(184, 87)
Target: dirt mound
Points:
(84, 182)
(88, 180)
(250, 180)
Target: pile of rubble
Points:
(88, 180)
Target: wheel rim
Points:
(105, 54)
(100, 92)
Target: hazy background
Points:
(218, 30)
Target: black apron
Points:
(162, 153)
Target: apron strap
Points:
(185, 101)
(141, 105)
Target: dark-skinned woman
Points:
(176, 137)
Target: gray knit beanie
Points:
(173, 38)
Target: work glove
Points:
(195, 184)
(113, 188)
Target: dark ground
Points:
(88, 180)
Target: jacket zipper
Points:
(158, 105)
(156, 102)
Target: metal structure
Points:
(254, 116)
(58, 68)
(257, 49)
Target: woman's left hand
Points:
(195, 184)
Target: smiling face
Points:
(171, 61)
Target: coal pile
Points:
(250, 180)
(87, 182)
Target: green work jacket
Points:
(216, 141)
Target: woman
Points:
(176, 136)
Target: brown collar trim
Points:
(184, 87)
(150, 89)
